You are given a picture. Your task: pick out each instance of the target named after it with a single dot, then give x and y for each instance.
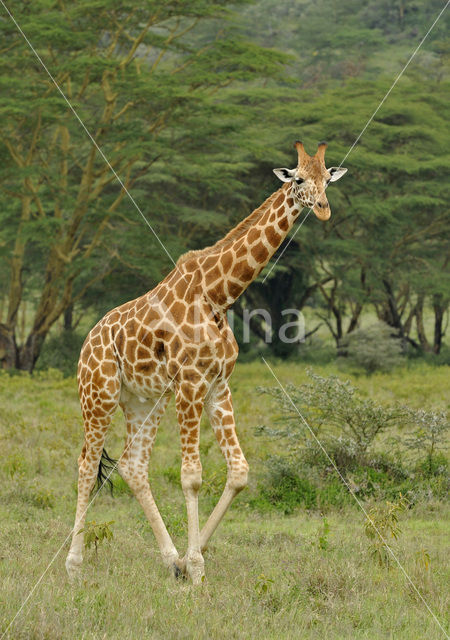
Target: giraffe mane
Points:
(235, 233)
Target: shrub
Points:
(15, 465)
(334, 417)
(42, 498)
(285, 488)
(428, 438)
(374, 348)
(348, 422)
(316, 351)
(288, 485)
(322, 536)
(332, 493)
(95, 533)
(381, 527)
(61, 351)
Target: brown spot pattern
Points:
(176, 339)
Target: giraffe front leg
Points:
(220, 413)
(189, 404)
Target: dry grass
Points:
(267, 575)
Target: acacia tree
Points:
(136, 74)
(385, 243)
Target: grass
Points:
(268, 575)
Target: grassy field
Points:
(268, 575)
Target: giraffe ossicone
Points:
(176, 340)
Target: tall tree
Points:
(138, 78)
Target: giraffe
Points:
(175, 339)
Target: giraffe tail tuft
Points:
(107, 466)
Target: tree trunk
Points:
(420, 325)
(336, 310)
(68, 318)
(13, 356)
(439, 307)
(30, 351)
(9, 353)
(356, 312)
(392, 317)
(339, 332)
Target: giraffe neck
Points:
(231, 264)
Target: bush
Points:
(332, 493)
(435, 359)
(429, 437)
(316, 351)
(382, 528)
(347, 421)
(285, 488)
(374, 348)
(61, 351)
(346, 425)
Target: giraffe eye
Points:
(299, 180)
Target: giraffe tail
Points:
(107, 466)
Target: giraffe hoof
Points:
(195, 567)
(73, 567)
(197, 577)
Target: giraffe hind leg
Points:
(99, 397)
(88, 471)
(142, 423)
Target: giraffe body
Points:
(176, 340)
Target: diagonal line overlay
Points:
(361, 132)
(88, 133)
(174, 263)
(90, 503)
(113, 468)
(359, 503)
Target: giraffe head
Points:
(310, 179)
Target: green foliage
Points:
(15, 465)
(373, 348)
(322, 538)
(172, 474)
(423, 559)
(95, 533)
(350, 428)
(316, 351)
(193, 104)
(335, 410)
(288, 484)
(40, 421)
(119, 486)
(214, 482)
(430, 438)
(381, 527)
(149, 83)
(332, 494)
(438, 360)
(284, 488)
(175, 519)
(61, 351)
(263, 584)
(43, 498)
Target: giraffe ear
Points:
(285, 175)
(336, 173)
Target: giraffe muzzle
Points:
(322, 210)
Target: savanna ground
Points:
(308, 574)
